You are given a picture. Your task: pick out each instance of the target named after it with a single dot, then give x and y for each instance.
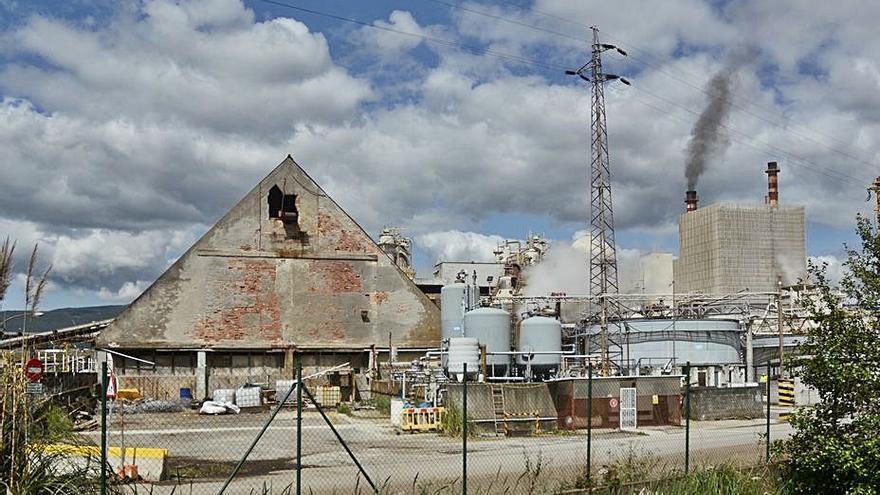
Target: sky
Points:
(127, 128)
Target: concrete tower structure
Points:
(726, 248)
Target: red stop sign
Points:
(33, 370)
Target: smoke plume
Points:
(707, 136)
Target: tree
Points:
(836, 444)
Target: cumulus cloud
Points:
(387, 44)
(100, 260)
(454, 245)
(126, 293)
(126, 131)
(203, 63)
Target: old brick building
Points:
(286, 269)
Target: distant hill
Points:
(58, 318)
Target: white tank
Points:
(455, 300)
(540, 334)
(491, 327)
(463, 350)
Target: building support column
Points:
(201, 375)
(750, 355)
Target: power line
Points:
(556, 68)
(808, 164)
(430, 39)
(744, 109)
(509, 20)
(659, 68)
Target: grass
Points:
(383, 404)
(343, 408)
(26, 422)
(451, 423)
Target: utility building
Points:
(286, 269)
(726, 248)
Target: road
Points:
(204, 449)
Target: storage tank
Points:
(455, 300)
(703, 342)
(463, 350)
(540, 334)
(491, 327)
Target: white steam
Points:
(565, 268)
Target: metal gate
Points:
(627, 408)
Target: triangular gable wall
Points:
(255, 282)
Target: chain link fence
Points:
(562, 436)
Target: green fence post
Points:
(687, 416)
(767, 453)
(589, 424)
(464, 432)
(299, 418)
(104, 428)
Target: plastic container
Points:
(224, 395)
(248, 397)
(281, 389)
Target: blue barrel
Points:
(186, 393)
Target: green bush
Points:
(383, 404)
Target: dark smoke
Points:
(707, 136)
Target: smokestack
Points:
(772, 184)
(690, 199)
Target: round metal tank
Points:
(491, 326)
(463, 350)
(454, 301)
(540, 334)
(652, 342)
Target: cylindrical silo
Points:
(463, 350)
(491, 327)
(454, 302)
(540, 334)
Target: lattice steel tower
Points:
(603, 254)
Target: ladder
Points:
(498, 406)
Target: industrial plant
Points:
(288, 276)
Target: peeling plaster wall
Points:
(252, 282)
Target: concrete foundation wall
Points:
(523, 405)
(711, 403)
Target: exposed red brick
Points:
(378, 297)
(255, 283)
(342, 239)
(340, 276)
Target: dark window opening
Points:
(283, 206)
(365, 316)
